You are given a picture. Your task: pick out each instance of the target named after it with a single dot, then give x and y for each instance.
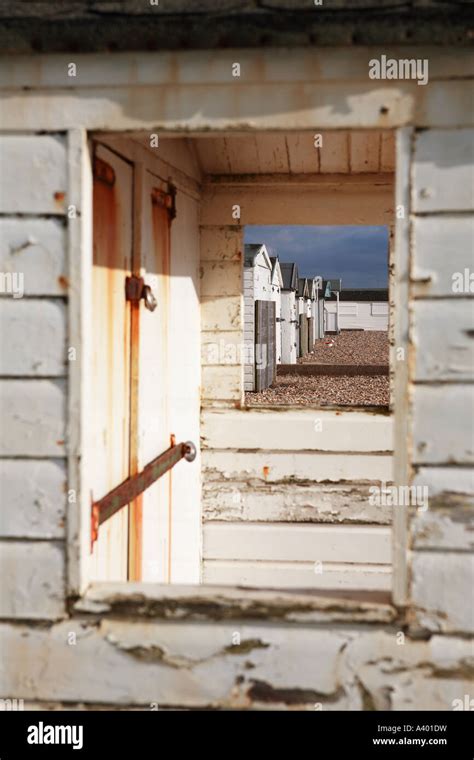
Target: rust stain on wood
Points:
(63, 282)
(59, 198)
(111, 355)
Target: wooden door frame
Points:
(80, 239)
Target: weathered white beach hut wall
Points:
(330, 317)
(289, 314)
(257, 279)
(363, 309)
(270, 468)
(277, 284)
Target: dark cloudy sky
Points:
(359, 255)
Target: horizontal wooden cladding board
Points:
(305, 204)
(220, 243)
(295, 430)
(221, 278)
(222, 348)
(442, 171)
(329, 104)
(447, 486)
(33, 498)
(222, 313)
(441, 591)
(32, 337)
(222, 383)
(442, 248)
(292, 467)
(365, 153)
(32, 576)
(36, 249)
(215, 66)
(118, 662)
(34, 170)
(297, 543)
(298, 575)
(443, 333)
(451, 528)
(267, 502)
(297, 152)
(443, 426)
(33, 413)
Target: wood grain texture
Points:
(297, 430)
(441, 588)
(441, 248)
(298, 575)
(444, 338)
(254, 501)
(299, 543)
(34, 498)
(442, 171)
(37, 249)
(448, 529)
(294, 467)
(447, 484)
(34, 166)
(442, 424)
(34, 413)
(33, 338)
(32, 580)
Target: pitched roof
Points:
(276, 270)
(303, 289)
(289, 273)
(251, 253)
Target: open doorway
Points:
(326, 340)
(274, 491)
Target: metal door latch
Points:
(150, 301)
(135, 289)
(130, 489)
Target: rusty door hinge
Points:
(165, 199)
(103, 171)
(135, 290)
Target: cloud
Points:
(359, 255)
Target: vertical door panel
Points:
(260, 338)
(265, 366)
(271, 349)
(154, 414)
(110, 415)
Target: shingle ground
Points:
(351, 347)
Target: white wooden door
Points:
(109, 417)
(154, 379)
(144, 389)
(329, 321)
